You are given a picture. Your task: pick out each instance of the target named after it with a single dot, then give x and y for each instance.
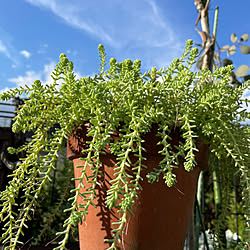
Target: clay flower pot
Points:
(161, 214)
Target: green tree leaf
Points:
(242, 70)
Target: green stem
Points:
(218, 203)
(216, 14)
(198, 220)
(202, 224)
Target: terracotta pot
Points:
(161, 214)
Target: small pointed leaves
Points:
(244, 37)
(224, 48)
(232, 50)
(234, 38)
(245, 49)
(242, 71)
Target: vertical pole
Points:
(236, 209)
(216, 183)
(207, 63)
(216, 186)
(216, 15)
(202, 225)
(199, 201)
(218, 203)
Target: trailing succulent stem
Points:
(122, 99)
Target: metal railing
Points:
(7, 111)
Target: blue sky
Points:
(33, 33)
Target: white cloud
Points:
(4, 50)
(30, 76)
(4, 90)
(8, 50)
(69, 13)
(138, 28)
(246, 95)
(44, 76)
(25, 53)
(27, 79)
(47, 3)
(48, 68)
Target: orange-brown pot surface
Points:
(161, 214)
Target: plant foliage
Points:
(203, 105)
(242, 70)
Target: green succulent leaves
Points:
(122, 98)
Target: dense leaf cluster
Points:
(203, 105)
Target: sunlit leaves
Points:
(244, 37)
(245, 49)
(120, 105)
(233, 37)
(242, 70)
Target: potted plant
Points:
(129, 133)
